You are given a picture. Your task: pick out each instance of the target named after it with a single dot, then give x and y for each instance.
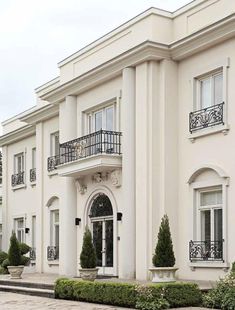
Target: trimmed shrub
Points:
(24, 260)
(222, 295)
(3, 270)
(24, 248)
(3, 256)
(88, 255)
(164, 254)
(145, 297)
(14, 256)
(5, 263)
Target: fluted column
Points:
(127, 241)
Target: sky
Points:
(36, 34)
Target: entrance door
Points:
(102, 230)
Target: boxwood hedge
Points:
(128, 294)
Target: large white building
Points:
(139, 123)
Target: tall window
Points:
(210, 90)
(211, 215)
(34, 158)
(55, 237)
(102, 119)
(34, 231)
(55, 144)
(19, 229)
(19, 163)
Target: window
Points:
(55, 144)
(211, 216)
(19, 163)
(0, 237)
(19, 229)
(34, 158)
(34, 231)
(55, 237)
(102, 119)
(210, 90)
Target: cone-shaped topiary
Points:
(164, 254)
(88, 255)
(14, 256)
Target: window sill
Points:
(33, 183)
(14, 188)
(223, 265)
(53, 263)
(52, 173)
(209, 131)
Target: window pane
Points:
(206, 225)
(218, 88)
(56, 219)
(20, 223)
(205, 93)
(34, 158)
(211, 198)
(218, 224)
(57, 236)
(98, 121)
(57, 144)
(109, 119)
(0, 228)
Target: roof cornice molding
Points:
(145, 51)
(17, 135)
(148, 50)
(41, 114)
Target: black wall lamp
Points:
(77, 221)
(119, 216)
(27, 230)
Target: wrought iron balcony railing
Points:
(52, 162)
(32, 253)
(32, 176)
(52, 253)
(17, 179)
(207, 117)
(206, 250)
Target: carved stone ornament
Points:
(115, 177)
(100, 177)
(81, 187)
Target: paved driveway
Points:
(12, 301)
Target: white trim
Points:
(202, 168)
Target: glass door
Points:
(103, 241)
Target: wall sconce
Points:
(27, 230)
(77, 221)
(119, 216)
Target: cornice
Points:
(145, 51)
(41, 114)
(148, 50)
(17, 135)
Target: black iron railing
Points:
(102, 141)
(32, 176)
(32, 254)
(206, 250)
(17, 179)
(52, 162)
(207, 117)
(52, 253)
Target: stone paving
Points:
(12, 301)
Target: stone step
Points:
(21, 283)
(27, 290)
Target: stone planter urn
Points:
(15, 271)
(88, 274)
(163, 274)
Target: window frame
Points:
(53, 137)
(34, 154)
(16, 163)
(53, 225)
(17, 229)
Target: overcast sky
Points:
(36, 34)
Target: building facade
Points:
(139, 124)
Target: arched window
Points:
(101, 206)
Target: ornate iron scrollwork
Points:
(52, 253)
(206, 250)
(32, 175)
(17, 179)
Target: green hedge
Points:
(129, 295)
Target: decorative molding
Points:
(115, 177)
(41, 114)
(99, 177)
(17, 135)
(81, 187)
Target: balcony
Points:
(96, 152)
(17, 179)
(52, 253)
(207, 117)
(32, 175)
(206, 251)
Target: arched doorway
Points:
(101, 219)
